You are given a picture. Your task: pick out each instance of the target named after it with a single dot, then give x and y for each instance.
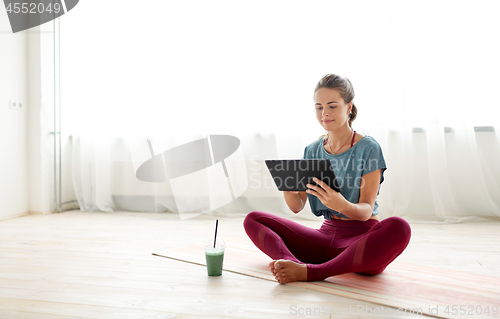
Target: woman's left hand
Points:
(328, 197)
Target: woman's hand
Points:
(328, 197)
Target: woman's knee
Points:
(251, 218)
(399, 228)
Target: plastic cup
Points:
(214, 256)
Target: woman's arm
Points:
(295, 200)
(367, 194)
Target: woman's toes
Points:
(271, 267)
(271, 264)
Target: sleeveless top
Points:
(360, 159)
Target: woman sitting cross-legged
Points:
(351, 238)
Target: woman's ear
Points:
(349, 108)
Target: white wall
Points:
(40, 118)
(13, 123)
(26, 160)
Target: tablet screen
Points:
(294, 175)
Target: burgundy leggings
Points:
(337, 247)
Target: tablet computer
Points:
(294, 175)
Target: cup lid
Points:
(218, 243)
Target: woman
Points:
(351, 238)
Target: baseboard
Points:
(24, 214)
(14, 215)
(41, 213)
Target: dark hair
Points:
(344, 86)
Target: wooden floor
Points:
(99, 265)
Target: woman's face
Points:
(331, 111)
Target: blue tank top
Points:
(362, 158)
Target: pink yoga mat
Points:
(427, 290)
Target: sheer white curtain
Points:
(424, 72)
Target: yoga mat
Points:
(436, 292)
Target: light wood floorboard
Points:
(99, 265)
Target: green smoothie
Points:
(214, 257)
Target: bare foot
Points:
(288, 271)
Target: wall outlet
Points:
(15, 105)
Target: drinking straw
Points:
(216, 224)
